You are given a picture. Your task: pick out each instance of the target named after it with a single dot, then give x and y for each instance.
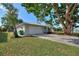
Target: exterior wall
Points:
(35, 30)
(45, 29)
(22, 27)
(31, 29)
(26, 30)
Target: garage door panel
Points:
(35, 30)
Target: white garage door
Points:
(35, 30)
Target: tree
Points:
(40, 11)
(20, 21)
(66, 14)
(11, 17)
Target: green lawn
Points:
(62, 33)
(34, 46)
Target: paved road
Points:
(70, 40)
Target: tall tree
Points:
(65, 14)
(11, 17)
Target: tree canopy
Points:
(11, 17)
(66, 14)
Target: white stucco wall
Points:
(26, 30)
(22, 27)
(30, 29)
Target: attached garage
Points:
(30, 29)
(35, 30)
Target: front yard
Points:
(34, 46)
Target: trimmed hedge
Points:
(3, 37)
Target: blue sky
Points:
(2, 12)
(22, 14)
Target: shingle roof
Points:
(31, 24)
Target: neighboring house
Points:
(26, 29)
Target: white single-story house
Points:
(26, 29)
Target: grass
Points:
(76, 34)
(34, 46)
(59, 32)
(62, 33)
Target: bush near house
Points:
(5, 36)
(3, 29)
(21, 32)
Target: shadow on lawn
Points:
(3, 37)
(32, 36)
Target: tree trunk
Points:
(69, 23)
(68, 30)
(68, 26)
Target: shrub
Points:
(3, 37)
(15, 33)
(21, 32)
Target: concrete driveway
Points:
(69, 40)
